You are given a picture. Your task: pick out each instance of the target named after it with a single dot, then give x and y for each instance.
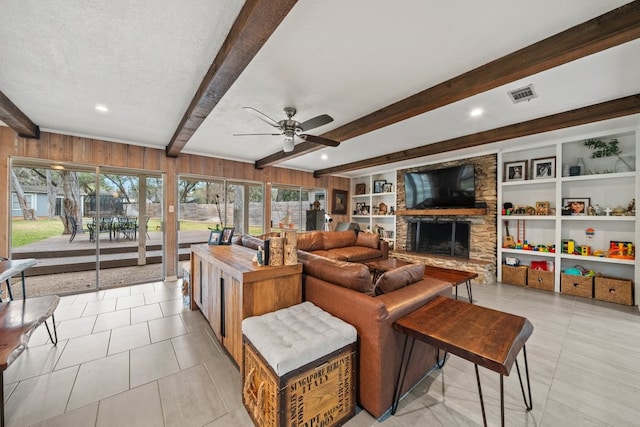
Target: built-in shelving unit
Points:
(370, 193)
(601, 185)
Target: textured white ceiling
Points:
(145, 59)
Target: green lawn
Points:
(26, 232)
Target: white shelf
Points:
(523, 252)
(598, 259)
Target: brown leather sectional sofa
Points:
(345, 290)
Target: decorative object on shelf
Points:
(227, 234)
(542, 208)
(286, 220)
(366, 210)
(290, 247)
(610, 148)
(339, 202)
(576, 205)
(378, 185)
(387, 187)
(361, 189)
(515, 171)
(316, 205)
(543, 168)
(382, 209)
(276, 251)
(565, 169)
(214, 237)
(358, 210)
(391, 210)
(582, 168)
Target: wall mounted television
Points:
(452, 187)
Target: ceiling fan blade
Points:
(263, 117)
(322, 119)
(255, 134)
(320, 140)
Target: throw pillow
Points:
(399, 278)
(368, 240)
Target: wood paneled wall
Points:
(93, 152)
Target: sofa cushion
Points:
(399, 278)
(346, 274)
(353, 253)
(310, 241)
(368, 240)
(338, 239)
(332, 254)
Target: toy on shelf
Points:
(621, 250)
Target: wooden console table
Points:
(18, 320)
(486, 337)
(228, 287)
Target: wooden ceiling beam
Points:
(604, 111)
(13, 117)
(255, 23)
(603, 32)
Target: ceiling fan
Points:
(292, 129)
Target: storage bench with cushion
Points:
(298, 367)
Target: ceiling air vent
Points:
(523, 94)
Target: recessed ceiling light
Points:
(476, 112)
(324, 157)
(102, 108)
(57, 167)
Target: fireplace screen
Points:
(440, 238)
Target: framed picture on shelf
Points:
(515, 171)
(227, 234)
(387, 188)
(339, 206)
(359, 206)
(543, 168)
(378, 185)
(365, 210)
(361, 189)
(214, 237)
(576, 205)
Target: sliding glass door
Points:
(86, 227)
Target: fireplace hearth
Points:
(450, 238)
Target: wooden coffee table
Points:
(455, 277)
(486, 337)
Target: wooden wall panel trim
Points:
(82, 150)
(135, 156)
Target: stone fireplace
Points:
(480, 253)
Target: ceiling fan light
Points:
(288, 144)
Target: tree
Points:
(71, 202)
(27, 213)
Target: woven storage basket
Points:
(514, 275)
(540, 279)
(580, 286)
(615, 290)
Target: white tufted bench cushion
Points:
(292, 337)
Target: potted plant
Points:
(609, 148)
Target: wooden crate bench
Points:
(298, 368)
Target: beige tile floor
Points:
(134, 356)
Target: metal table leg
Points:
(402, 372)
(528, 405)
